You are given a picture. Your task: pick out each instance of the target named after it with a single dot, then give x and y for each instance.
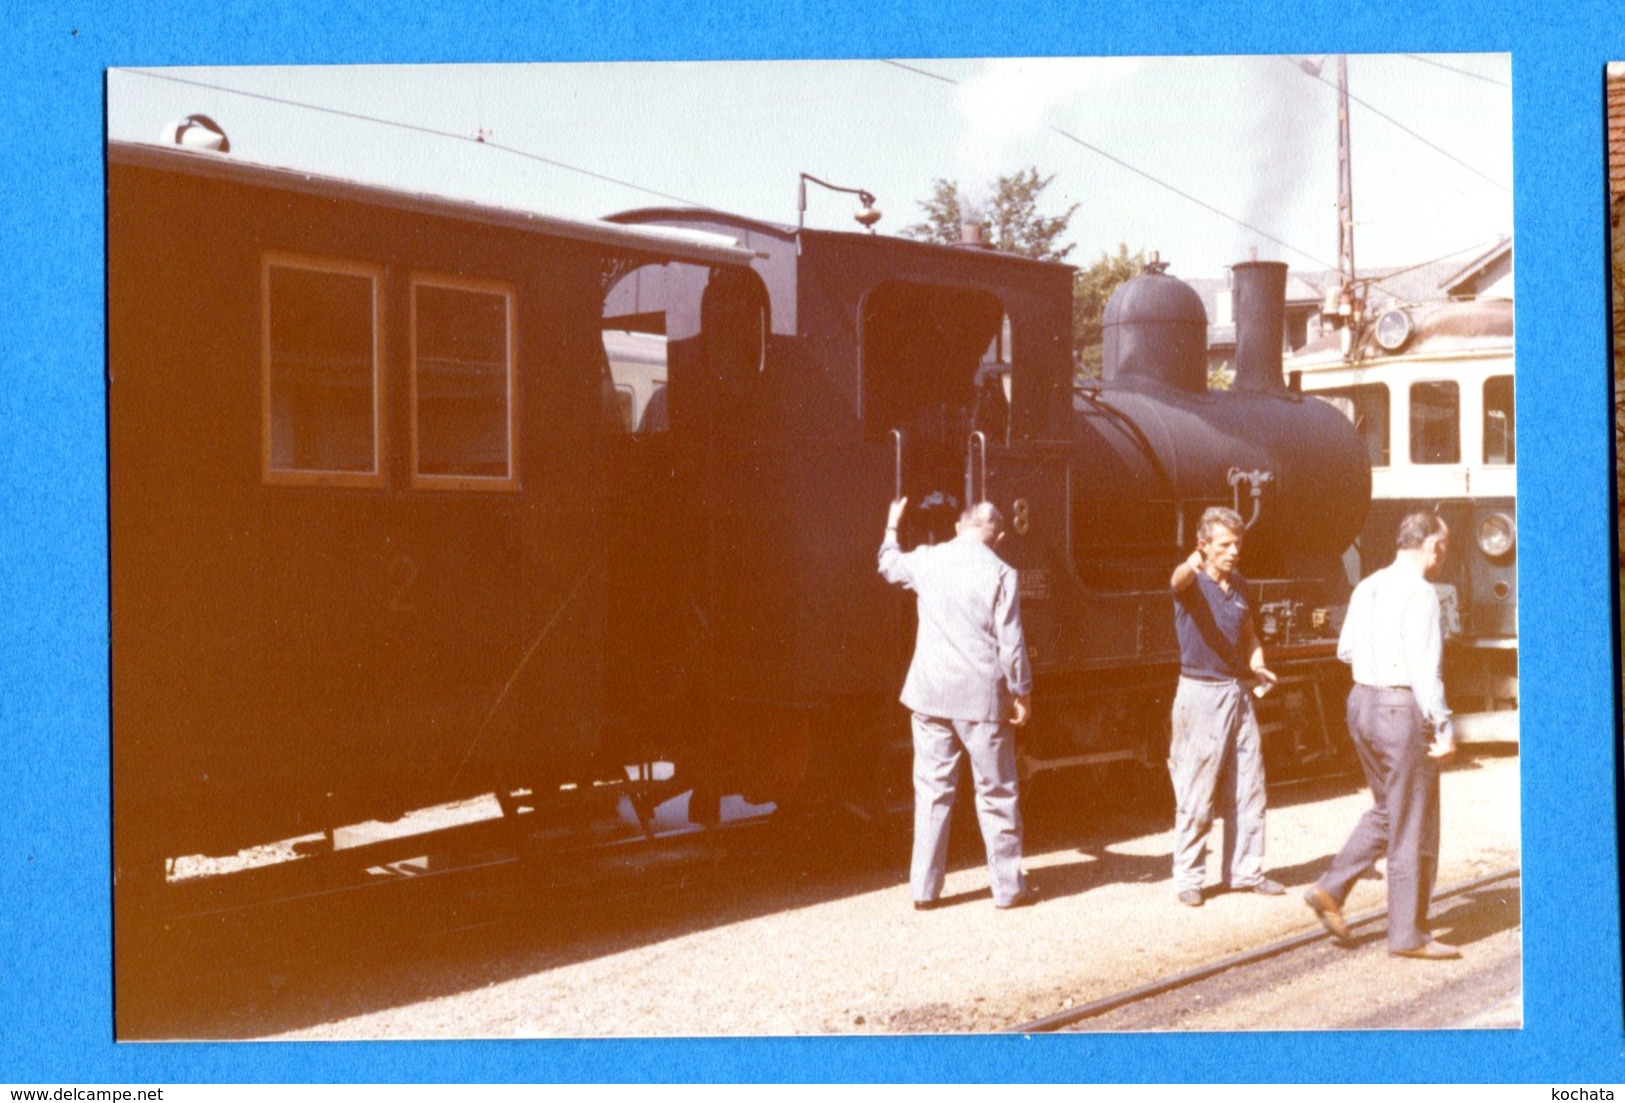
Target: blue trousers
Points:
(1403, 821)
(938, 745)
(1217, 755)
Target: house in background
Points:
(1487, 275)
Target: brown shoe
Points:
(1328, 911)
(1430, 951)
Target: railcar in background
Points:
(1429, 388)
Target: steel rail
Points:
(1060, 1019)
(308, 889)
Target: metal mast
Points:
(1345, 194)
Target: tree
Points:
(1094, 286)
(1010, 220)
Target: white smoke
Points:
(1289, 118)
(1009, 101)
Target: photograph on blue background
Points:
(498, 458)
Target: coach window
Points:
(1500, 431)
(320, 371)
(1366, 406)
(1435, 422)
(463, 380)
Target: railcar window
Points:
(623, 407)
(321, 371)
(637, 367)
(1366, 406)
(1500, 435)
(1436, 422)
(463, 382)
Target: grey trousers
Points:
(1402, 823)
(938, 744)
(1216, 753)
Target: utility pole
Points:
(1345, 196)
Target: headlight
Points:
(1393, 330)
(1496, 535)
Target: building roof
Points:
(1477, 265)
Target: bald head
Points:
(984, 521)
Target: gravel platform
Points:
(824, 941)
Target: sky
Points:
(1200, 158)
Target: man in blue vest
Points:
(1216, 748)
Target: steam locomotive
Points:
(414, 500)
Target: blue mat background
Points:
(55, 996)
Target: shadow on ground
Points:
(303, 962)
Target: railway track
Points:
(236, 942)
(433, 919)
(1483, 908)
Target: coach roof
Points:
(672, 243)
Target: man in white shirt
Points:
(1400, 724)
(969, 685)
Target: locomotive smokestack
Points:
(1260, 306)
(970, 224)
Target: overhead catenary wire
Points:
(479, 140)
(1464, 72)
(1440, 150)
(1116, 160)
(1378, 281)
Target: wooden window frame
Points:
(510, 296)
(299, 476)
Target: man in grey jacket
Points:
(968, 687)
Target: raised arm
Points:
(893, 563)
(1185, 573)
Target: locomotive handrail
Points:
(975, 492)
(897, 482)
